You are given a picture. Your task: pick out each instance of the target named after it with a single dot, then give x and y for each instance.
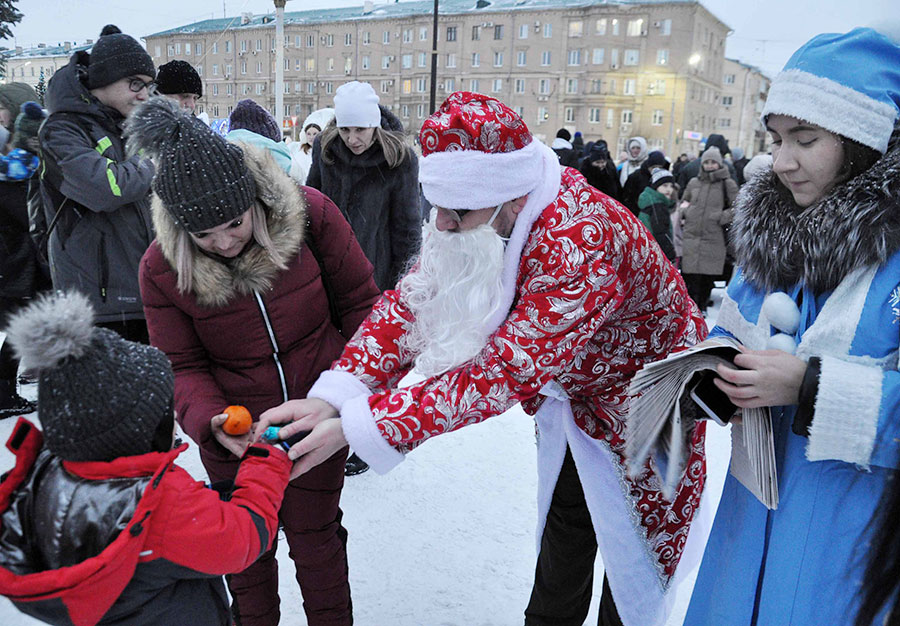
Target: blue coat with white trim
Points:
(803, 563)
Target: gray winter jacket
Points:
(99, 198)
(381, 204)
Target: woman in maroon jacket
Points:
(251, 288)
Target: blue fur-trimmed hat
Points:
(849, 84)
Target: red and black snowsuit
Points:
(131, 541)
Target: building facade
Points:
(744, 91)
(651, 68)
(27, 65)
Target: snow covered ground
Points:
(447, 537)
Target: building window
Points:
(521, 58)
(548, 30)
(259, 88)
(725, 122)
(423, 59)
(635, 28)
(451, 60)
(404, 110)
(421, 84)
(611, 89)
(520, 85)
(215, 90)
(498, 59)
(258, 45)
(729, 79)
(407, 35)
(420, 111)
(629, 88)
(348, 39)
(215, 48)
(287, 65)
(451, 33)
(545, 57)
(600, 28)
(215, 69)
(177, 48)
(243, 45)
(610, 117)
(386, 37)
(597, 86)
(187, 48)
(170, 49)
(574, 57)
(406, 86)
(228, 89)
(632, 57)
(662, 56)
(656, 87)
(311, 87)
(198, 49)
(287, 87)
(614, 58)
(385, 86)
(657, 119)
(476, 33)
(258, 68)
(523, 31)
(598, 56)
(544, 86)
(199, 70)
(310, 65)
(627, 116)
(727, 100)
(498, 32)
(615, 28)
(298, 65)
(365, 62)
(576, 28)
(298, 87)
(423, 34)
(476, 59)
(594, 115)
(406, 61)
(385, 62)
(543, 115)
(497, 85)
(366, 38)
(157, 51)
(450, 84)
(571, 85)
(348, 65)
(473, 85)
(329, 40)
(665, 28)
(570, 115)
(310, 41)
(520, 111)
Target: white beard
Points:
(454, 288)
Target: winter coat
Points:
(21, 272)
(739, 170)
(605, 180)
(102, 197)
(593, 302)
(634, 187)
(802, 564)
(131, 541)
(656, 216)
(565, 153)
(249, 333)
(381, 203)
(703, 240)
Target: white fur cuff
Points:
(364, 437)
(336, 388)
(845, 420)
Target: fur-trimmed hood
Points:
(780, 245)
(216, 282)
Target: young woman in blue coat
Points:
(816, 302)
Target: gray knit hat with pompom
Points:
(201, 179)
(99, 396)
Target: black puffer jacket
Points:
(21, 273)
(381, 204)
(103, 198)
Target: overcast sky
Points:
(765, 32)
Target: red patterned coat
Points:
(595, 299)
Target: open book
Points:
(669, 395)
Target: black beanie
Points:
(562, 133)
(116, 56)
(201, 179)
(27, 124)
(177, 77)
(100, 397)
(658, 159)
(250, 116)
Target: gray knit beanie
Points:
(116, 56)
(99, 396)
(201, 179)
(250, 116)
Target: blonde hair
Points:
(186, 249)
(392, 144)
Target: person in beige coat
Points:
(705, 210)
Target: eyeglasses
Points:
(136, 84)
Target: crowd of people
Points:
(155, 271)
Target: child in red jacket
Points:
(97, 523)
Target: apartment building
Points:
(25, 65)
(744, 91)
(611, 70)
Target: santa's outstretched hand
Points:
(319, 417)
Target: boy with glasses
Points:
(95, 199)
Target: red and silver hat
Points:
(477, 153)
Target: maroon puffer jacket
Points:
(249, 333)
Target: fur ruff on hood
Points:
(216, 282)
(779, 245)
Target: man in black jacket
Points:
(95, 199)
(562, 146)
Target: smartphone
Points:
(712, 400)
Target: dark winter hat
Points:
(598, 152)
(250, 116)
(13, 96)
(116, 56)
(99, 397)
(177, 77)
(201, 179)
(657, 159)
(718, 141)
(661, 177)
(562, 133)
(27, 124)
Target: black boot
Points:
(11, 403)
(355, 465)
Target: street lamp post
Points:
(432, 102)
(279, 61)
(693, 60)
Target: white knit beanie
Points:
(356, 106)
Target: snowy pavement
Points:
(447, 537)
